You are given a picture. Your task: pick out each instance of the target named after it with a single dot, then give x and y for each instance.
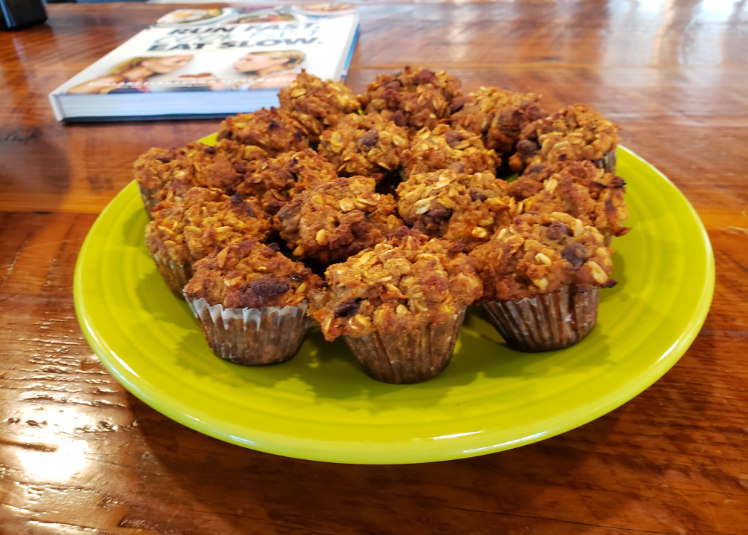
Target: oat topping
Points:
(539, 253)
(249, 274)
(407, 280)
(463, 208)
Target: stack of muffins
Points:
(383, 216)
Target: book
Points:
(210, 63)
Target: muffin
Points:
(498, 116)
(465, 209)
(273, 130)
(335, 219)
(572, 133)
(368, 145)
(415, 97)
(317, 104)
(541, 279)
(446, 147)
(273, 181)
(399, 305)
(163, 173)
(251, 302)
(578, 188)
(202, 221)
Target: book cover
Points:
(210, 62)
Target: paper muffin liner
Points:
(175, 275)
(252, 336)
(607, 162)
(409, 356)
(550, 321)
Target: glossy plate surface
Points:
(321, 406)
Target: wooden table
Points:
(79, 454)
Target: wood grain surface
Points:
(80, 455)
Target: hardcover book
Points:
(210, 62)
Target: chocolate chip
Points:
(439, 213)
(575, 254)
(369, 139)
(164, 159)
(476, 195)
(268, 286)
(425, 77)
(527, 147)
(210, 149)
(557, 231)
(453, 137)
(347, 308)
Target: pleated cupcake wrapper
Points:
(550, 321)
(252, 336)
(175, 275)
(409, 356)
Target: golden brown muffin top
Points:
(498, 115)
(460, 207)
(335, 219)
(248, 274)
(446, 147)
(317, 104)
(407, 281)
(369, 145)
(271, 129)
(573, 133)
(274, 181)
(578, 188)
(163, 173)
(538, 254)
(202, 221)
(415, 97)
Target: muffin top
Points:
(498, 115)
(272, 129)
(414, 97)
(460, 207)
(335, 219)
(573, 133)
(447, 147)
(317, 104)
(163, 173)
(202, 221)
(407, 281)
(538, 254)
(369, 145)
(578, 188)
(248, 274)
(274, 181)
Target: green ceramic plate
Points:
(321, 406)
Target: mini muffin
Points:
(272, 129)
(498, 115)
(541, 279)
(446, 147)
(573, 133)
(251, 302)
(578, 188)
(416, 97)
(463, 208)
(335, 219)
(317, 104)
(202, 221)
(163, 173)
(399, 305)
(274, 181)
(367, 145)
